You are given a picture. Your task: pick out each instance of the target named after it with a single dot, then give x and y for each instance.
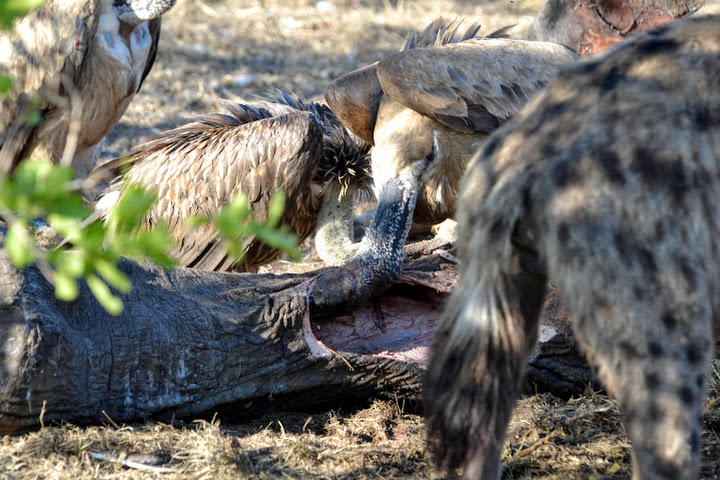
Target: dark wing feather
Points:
(471, 86)
(45, 48)
(355, 98)
(198, 172)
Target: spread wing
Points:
(196, 171)
(472, 86)
(45, 49)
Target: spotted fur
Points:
(606, 184)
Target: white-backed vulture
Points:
(77, 63)
(282, 143)
(427, 109)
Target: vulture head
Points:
(135, 12)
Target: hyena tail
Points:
(488, 330)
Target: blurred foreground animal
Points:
(77, 63)
(605, 185)
(592, 27)
(426, 110)
(282, 143)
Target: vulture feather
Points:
(439, 98)
(278, 143)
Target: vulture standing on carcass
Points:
(77, 63)
(426, 110)
(281, 143)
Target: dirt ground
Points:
(235, 49)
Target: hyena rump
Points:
(607, 185)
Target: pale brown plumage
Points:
(282, 143)
(440, 97)
(93, 54)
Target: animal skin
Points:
(606, 185)
(78, 63)
(591, 27)
(278, 143)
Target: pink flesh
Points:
(399, 324)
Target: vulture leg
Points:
(443, 237)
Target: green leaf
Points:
(236, 249)
(90, 238)
(65, 287)
(5, 84)
(70, 262)
(112, 275)
(130, 208)
(28, 175)
(194, 221)
(276, 209)
(232, 219)
(112, 304)
(12, 9)
(53, 183)
(71, 206)
(18, 245)
(33, 118)
(8, 199)
(151, 244)
(279, 239)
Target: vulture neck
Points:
(377, 264)
(334, 236)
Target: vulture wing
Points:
(197, 171)
(45, 49)
(471, 86)
(354, 98)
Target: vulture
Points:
(281, 142)
(78, 64)
(427, 109)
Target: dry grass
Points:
(549, 438)
(236, 49)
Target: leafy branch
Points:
(39, 193)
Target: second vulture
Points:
(426, 110)
(279, 143)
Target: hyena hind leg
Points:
(656, 366)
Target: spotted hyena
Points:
(607, 184)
